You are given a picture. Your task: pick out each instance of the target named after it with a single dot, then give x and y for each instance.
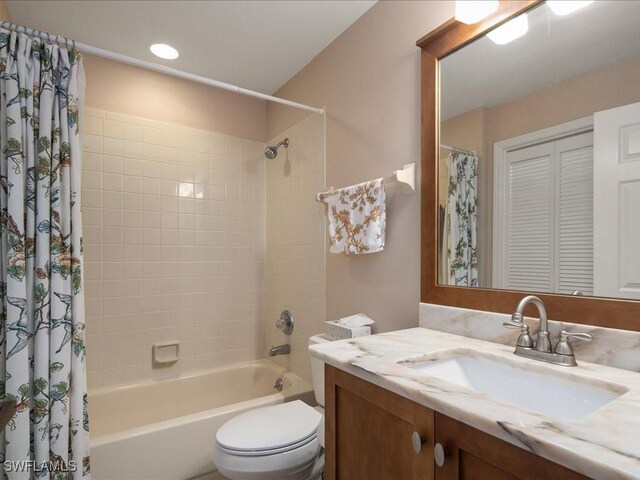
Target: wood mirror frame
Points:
(607, 312)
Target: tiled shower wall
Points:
(296, 240)
(175, 238)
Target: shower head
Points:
(272, 152)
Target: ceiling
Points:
(254, 44)
(556, 48)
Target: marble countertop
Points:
(602, 445)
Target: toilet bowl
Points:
(279, 442)
(276, 442)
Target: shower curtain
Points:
(42, 346)
(461, 219)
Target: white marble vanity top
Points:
(602, 445)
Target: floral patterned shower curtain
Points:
(42, 347)
(461, 219)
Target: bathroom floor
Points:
(217, 476)
(211, 476)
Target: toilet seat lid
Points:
(270, 428)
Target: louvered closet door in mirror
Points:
(524, 249)
(543, 224)
(574, 219)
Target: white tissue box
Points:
(334, 330)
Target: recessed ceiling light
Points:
(163, 50)
(563, 7)
(510, 31)
(471, 12)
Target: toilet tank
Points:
(317, 370)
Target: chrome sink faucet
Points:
(543, 343)
(540, 349)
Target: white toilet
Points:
(280, 442)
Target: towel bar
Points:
(405, 177)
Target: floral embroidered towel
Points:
(357, 218)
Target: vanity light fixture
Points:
(510, 31)
(563, 7)
(165, 51)
(471, 12)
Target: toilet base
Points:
(273, 467)
(318, 468)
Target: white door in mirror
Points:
(616, 197)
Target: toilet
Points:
(279, 442)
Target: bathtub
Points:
(166, 429)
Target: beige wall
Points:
(369, 80)
(296, 240)
(174, 241)
(4, 12)
(601, 89)
(116, 87)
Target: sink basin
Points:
(562, 399)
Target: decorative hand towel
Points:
(357, 218)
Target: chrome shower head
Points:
(272, 152)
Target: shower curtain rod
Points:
(156, 67)
(457, 149)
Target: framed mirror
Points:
(531, 161)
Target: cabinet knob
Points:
(440, 454)
(417, 441)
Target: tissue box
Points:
(336, 331)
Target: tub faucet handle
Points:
(285, 322)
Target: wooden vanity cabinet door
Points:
(473, 454)
(368, 432)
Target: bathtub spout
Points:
(280, 350)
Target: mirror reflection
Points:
(539, 159)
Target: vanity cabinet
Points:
(369, 432)
(471, 454)
(374, 434)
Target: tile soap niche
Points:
(164, 354)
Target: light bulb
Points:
(163, 50)
(510, 31)
(563, 7)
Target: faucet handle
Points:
(525, 339)
(517, 321)
(579, 335)
(285, 322)
(514, 324)
(563, 347)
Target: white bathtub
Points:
(165, 429)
